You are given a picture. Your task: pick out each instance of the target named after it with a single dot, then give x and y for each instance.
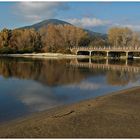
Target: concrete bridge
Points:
(106, 65)
(127, 52)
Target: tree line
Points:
(123, 37)
(59, 38)
(54, 38)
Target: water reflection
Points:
(48, 72)
(118, 72)
(63, 72)
(32, 85)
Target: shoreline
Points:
(44, 55)
(57, 56)
(114, 115)
(50, 56)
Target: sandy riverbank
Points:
(45, 55)
(113, 115)
(57, 55)
(51, 56)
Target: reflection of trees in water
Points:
(121, 77)
(57, 72)
(50, 72)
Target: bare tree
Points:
(120, 36)
(60, 37)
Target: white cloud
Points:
(32, 12)
(35, 11)
(131, 26)
(88, 22)
(94, 23)
(38, 98)
(85, 86)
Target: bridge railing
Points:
(107, 48)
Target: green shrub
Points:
(63, 50)
(7, 50)
(26, 50)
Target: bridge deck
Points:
(125, 49)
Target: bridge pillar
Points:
(107, 54)
(126, 54)
(90, 53)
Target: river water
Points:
(33, 85)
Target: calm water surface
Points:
(33, 85)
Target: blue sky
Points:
(96, 16)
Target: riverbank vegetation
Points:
(54, 38)
(123, 37)
(60, 38)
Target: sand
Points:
(116, 115)
(45, 55)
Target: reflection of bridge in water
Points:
(106, 64)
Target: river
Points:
(32, 85)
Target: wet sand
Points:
(116, 115)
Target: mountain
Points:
(96, 34)
(45, 23)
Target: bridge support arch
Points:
(83, 53)
(98, 53)
(117, 54)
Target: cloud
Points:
(35, 11)
(85, 86)
(87, 22)
(131, 26)
(32, 12)
(38, 98)
(100, 25)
